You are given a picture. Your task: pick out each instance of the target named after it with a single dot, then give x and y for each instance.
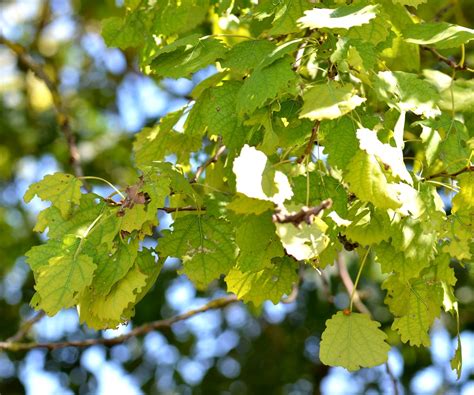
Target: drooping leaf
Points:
(415, 304)
(353, 341)
(367, 180)
(113, 267)
(109, 308)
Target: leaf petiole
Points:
(361, 268)
(103, 180)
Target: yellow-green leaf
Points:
(353, 341)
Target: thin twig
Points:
(62, 117)
(170, 210)
(296, 287)
(450, 175)
(139, 331)
(211, 160)
(347, 281)
(306, 214)
(310, 145)
(25, 327)
(393, 379)
(451, 63)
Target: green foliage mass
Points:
(291, 76)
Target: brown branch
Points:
(61, 113)
(451, 63)
(312, 139)
(213, 159)
(25, 327)
(304, 215)
(139, 331)
(347, 281)
(451, 175)
(170, 210)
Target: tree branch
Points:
(310, 145)
(304, 215)
(61, 114)
(451, 63)
(170, 210)
(25, 327)
(139, 331)
(213, 159)
(451, 175)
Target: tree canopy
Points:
(320, 156)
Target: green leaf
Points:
(369, 226)
(178, 17)
(343, 17)
(367, 180)
(415, 304)
(125, 32)
(79, 220)
(464, 199)
(391, 157)
(218, 113)
(407, 92)
(39, 256)
(417, 239)
(205, 244)
(456, 361)
(247, 55)
(304, 242)
(271, 283)
(63, 279)
(148, 265)
(411, 3)
(392, 260)
(62, 190)
(375, 32)
(353, 341)
(153, 144)
(339, 141)
(266, 84)
(329, 101)
(110, 308)
(186, 56)
(286, 14)
(257, 242)
(112, 268)
(441, 35)
(245, 205)
(318, 187)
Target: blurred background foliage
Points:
(234, 351)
